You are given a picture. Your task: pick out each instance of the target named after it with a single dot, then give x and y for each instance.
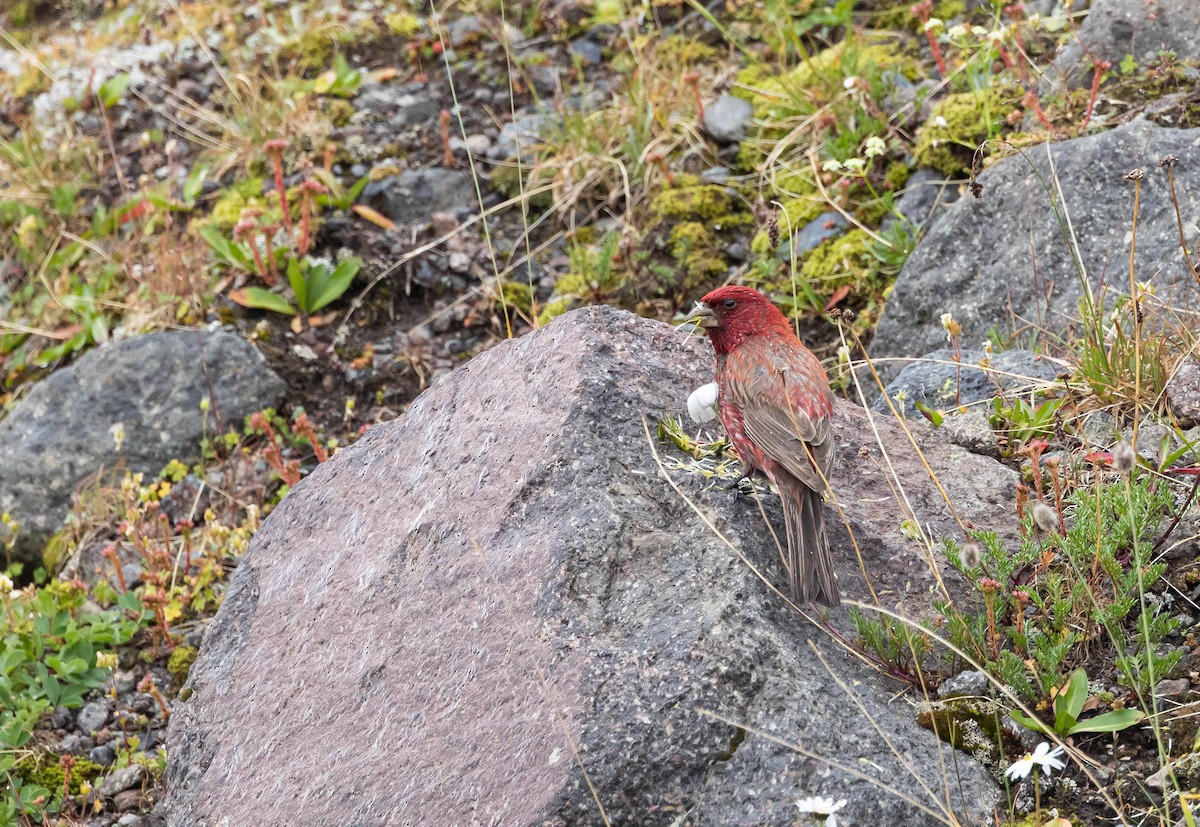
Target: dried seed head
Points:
(1044, 517)
(1124, 458)
(1135, 175)
(773, 232)
(1167, 161)
(971, 555)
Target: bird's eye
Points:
(729, 304)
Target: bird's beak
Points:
(704, 315)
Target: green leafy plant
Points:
(341, 80)
(1021, 421)
(1068, 705)
(314, 286)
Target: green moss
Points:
(506, 180)
(518, 295)
(957, 125)
(228, 208)
(702, 201)
(180, 664)
(45, 770)
(556, 308)
(846, 259)
(338, 111)
(402, 24)
(897, 176)
(693, 245)
(677, 51)
(313, 52)
(795, 214)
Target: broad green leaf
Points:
(1069, 702)
(335, 285)
(1113, 721)
(111, 90)
(1027, 722)
(300, 282)
(261, 299)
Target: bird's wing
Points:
(786, 406)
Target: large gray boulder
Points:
(1142, 28)
(462, 613)
(1001, 261)
(152, 387)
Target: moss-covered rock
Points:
(179, 665)
(46, 770)
(847, 259)
(958, 124)
(693, 202)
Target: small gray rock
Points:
(935, 380)
(586, 51)
(76, 744)
(1183, 392)
(925, 197)
(970, 683)
(411, 110)
(103, 754)
(972, 431)
(1100, 429)
(1172, 687)
(462, 31)
(413, 197)
(127, 800)
(63, 718)
(726, 119)
(814, 233)
(92, 717)
(151, 385)
(121, 780)
(716, 175)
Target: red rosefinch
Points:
(775, 403)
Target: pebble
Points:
(92, 717)
(76, 743)
(969, 683)
(459, 262)
(121, 780)
(103, 754)
(63, 718)
(586, 50)
(727, 118)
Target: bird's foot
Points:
(741, 486)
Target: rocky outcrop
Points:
(1007, 260)
(497, 610)
(145, 392)
(1141, 28)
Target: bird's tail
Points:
(810, 562)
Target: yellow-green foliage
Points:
(506, 180)
(969, 119)
(229, 206)
(46, 771)
(518, 295)
(402, 24)
(846, 259)
(696, 201)
(338, 111)
(675, 50)
(693, 248)
(180, 664)
(795, 214)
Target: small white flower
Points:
(940, 122)
(933, 23)
(855, 164)
(874, 146)
(996, 35)
(832, 165)
(117, 432)
(850, 82)
(820, 806)
(702, 404)
(6, 587)
(978, 31)
(956, 31)
(1044, 757)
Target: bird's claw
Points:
(736, 485)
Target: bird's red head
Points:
(733, 314)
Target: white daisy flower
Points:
(1044, 757)
(817, 805)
